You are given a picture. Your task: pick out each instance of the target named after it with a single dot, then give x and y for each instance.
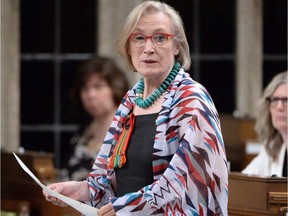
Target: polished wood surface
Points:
(18, 187)
(236, 132)
(256, 195)
(16, 206)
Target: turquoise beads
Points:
(158, 92)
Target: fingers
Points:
(59, 203)
(51, 199)
(62, 204)
(47, 196)
(55, 203)
(106, 210)
(109, 213)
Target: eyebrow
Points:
(155, 30)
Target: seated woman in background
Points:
(98, 89)
(271, 126)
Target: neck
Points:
(149, 100)
(149, 88)
(284, 137)
(151, 84)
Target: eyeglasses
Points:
(158, 39)
(273, 101)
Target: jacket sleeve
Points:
(99, 181)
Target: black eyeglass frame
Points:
(273, 101)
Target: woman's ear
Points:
(176, 51)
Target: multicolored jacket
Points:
(189, 159)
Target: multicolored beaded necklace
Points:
(158, 92)
(118, 158)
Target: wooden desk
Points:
(17, 185)
(256, 195)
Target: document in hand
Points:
(81, 207)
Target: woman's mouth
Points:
(149, 61)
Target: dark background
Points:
(56, 36)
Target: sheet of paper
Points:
(81, 207)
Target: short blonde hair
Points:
(270, 137)
(150, 7)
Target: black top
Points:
(284, 172)
(137, 171)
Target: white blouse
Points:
(264, 165)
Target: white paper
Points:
(81, 207)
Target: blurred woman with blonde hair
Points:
(272, 128)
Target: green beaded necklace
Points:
(158, 92)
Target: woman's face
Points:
(279, 110)
(153, 61)
(97, 97)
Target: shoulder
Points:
(188, 87)
(190, 93)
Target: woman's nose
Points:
(149, 47)
(92, 93)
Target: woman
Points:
(272, 128)
(164, 153)
(98, 89)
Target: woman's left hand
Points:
(106, 210)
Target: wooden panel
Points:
(18, 187)
(277, 200)
(17, 206)
(236, 131)
(256, 195)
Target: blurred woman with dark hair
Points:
(98, 89)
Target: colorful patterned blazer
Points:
(189, 159)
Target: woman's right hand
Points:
(73, 189)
